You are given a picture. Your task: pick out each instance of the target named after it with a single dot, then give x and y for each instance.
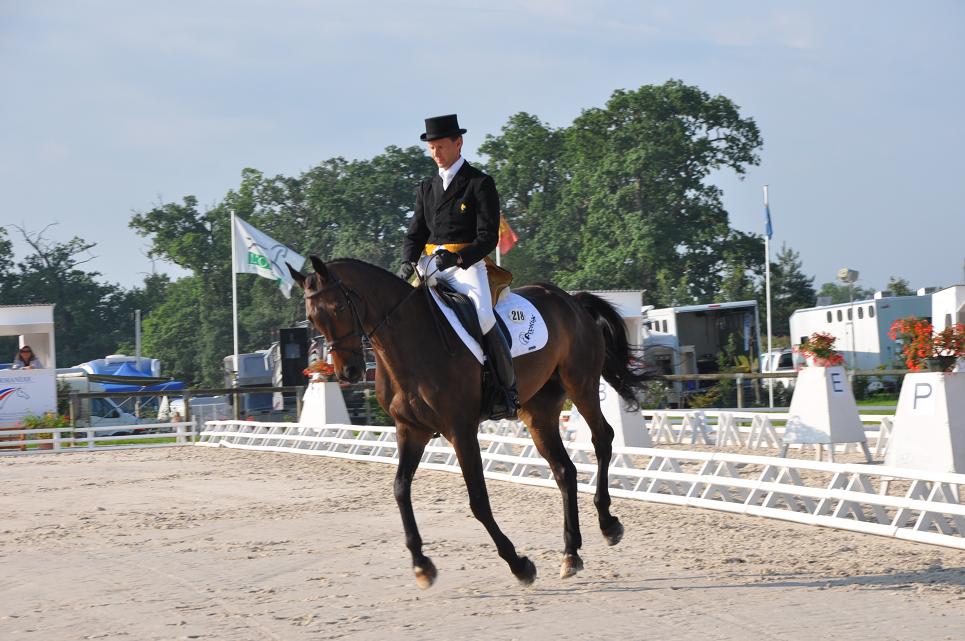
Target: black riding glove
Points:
(446, 259)
(406, 270)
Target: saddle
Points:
(499, 281)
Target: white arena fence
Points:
(899, 503)
(86, 439)
(750, 429)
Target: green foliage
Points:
(619, 198)
(338, 208)
(790, 289)
(92, 317)
(838, 293)
(899, 287)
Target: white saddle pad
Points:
(525, 324)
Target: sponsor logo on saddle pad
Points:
(527, 336)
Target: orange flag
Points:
(507, 237)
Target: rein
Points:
(358, 327)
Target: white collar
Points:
(449, 173)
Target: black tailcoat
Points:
(467, 212)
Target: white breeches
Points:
(472, 282)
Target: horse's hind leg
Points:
(411, 444)
(467, 451)
(587, 400)
(542, 416)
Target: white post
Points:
(234, 296)
(499, 262)
(767, 297)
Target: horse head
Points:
(331, 309)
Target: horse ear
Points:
(297, 275)
(319, 266)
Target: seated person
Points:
(26, 359)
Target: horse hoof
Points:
(614, 533)
(572, 563)
(527, 574)
(425, 575)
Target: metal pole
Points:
(854, 357)
(767, 295)
(234, 298)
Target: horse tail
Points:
(618, 358)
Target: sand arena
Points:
(199, 543)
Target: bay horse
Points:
(430, 383)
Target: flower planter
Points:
(940, 363)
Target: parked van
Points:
(96, 412)
(782, 360)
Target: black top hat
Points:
(442, 127)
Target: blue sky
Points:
(111, 107)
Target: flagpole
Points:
(767, 295)
(234, 294)
(499, 262)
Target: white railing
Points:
(85, 439)
(749, 429)
(899, 503)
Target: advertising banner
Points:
(26, 391)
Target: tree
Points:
(839, 293)
(525, 161)
(338, 208)
(899, 287)
(790, 289)
(92, 318)
(619, 199)
(8, 344)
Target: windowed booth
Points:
(32, 391)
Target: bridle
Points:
(358, 327)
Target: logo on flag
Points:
(768, 229)
(255, 252)
(507, 237)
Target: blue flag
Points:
(768, 229)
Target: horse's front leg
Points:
(411, 444)
(470, 461)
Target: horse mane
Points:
(362, 263)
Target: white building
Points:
(948, 307)
(862, 327)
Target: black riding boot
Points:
(506, 400)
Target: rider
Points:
(455, 226)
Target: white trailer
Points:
(702, 332)
(948, 307)
(862, 327)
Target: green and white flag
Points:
(258, 253)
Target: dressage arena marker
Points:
(823, 411)
(907, 504)
(930, 423)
